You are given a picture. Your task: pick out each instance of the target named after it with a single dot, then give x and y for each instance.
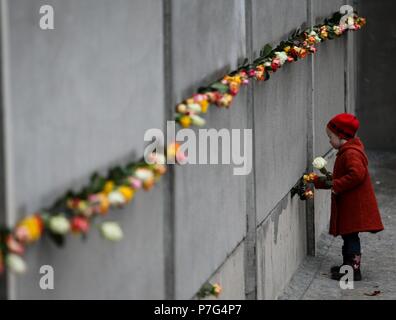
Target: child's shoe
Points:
(354, 262)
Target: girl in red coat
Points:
(354, 207)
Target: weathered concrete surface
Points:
(281, 246)
(329, 88)
(208, 41)
(312, 281)
(230, 276)
(82, 98)
(322, 201)
(280, 108)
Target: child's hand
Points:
(322, 182)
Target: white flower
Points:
(111, 231)
(195, 107)
(156, 158)
(197, 120)
(350, 22)
(143, 174)
(116, 198)
(15, 263)
(319, 163)
(282, 56)
(59, 225)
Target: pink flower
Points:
(135, 183)
(181, 157)
(14, 246)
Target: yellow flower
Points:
(185, 121)
(104, 203)
(181, 108)
(286, 49)
(127, 192)
(216, 289)
(172, 150)
(32, 228)
(108, 187)
(204, 106)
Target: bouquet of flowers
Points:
(209, 289)
(302, 189)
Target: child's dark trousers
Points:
(351, 244)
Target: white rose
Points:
(350, 22)
(143, 174)
(15, 263)
(116, 198)
(194, 107)
(111, 231)
(282, 56)
(197, 120)
(156, 158)
(319, 163)
(59, 225)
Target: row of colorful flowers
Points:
(298, 46)
(75, 213)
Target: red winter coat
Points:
(354, 207)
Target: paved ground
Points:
(312, 281)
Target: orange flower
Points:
(104, 203)
(29, 229)
(127, 192)
(148, 184)
(216, 289)
(309, 177)
(160, 169)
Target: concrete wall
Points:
(79, 102)
(79, 98)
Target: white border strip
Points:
(10, 215)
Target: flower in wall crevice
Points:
(75, 212)
(299, 45)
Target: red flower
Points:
(79, 224)
(275, 64)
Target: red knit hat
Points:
(344, 125)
